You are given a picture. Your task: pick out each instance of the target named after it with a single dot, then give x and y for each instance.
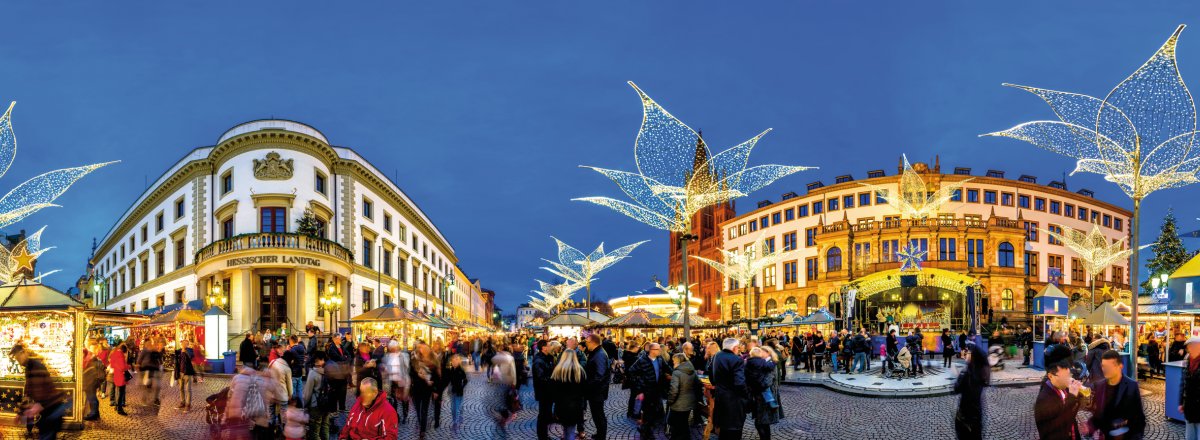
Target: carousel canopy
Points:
(569, 319)
(1106, 314)
(388, 312)
(635, 318)
(25, 294)
(1050, 301)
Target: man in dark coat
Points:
(598, 378)
(1058, 400)
(610, 348)
(651, 376)
(48, 401)
(543, 366)
(913, 342)
(1116, 401)
(247, 353)
(729, 381)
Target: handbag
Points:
(128, 376)
(769, 398)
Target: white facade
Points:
(226, 216)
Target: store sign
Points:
(273, 259)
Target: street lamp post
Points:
(215, 296)
(331, 302)
(687, 293)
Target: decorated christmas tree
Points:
(1168, 249)
(308, 224)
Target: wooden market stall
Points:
(1183, 299)
(567, 325)
(633, 321)
(1049, 314)
(388, 322)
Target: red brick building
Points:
(708, 243)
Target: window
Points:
(974, 252)
(771, 306)
(227, 182)
(1055, 262)
(1039, 204)
(1083, 213)
(812, 304)
(769, 276)
(833, 204)
(921, 244)
(956, 196)
(848, 202)
(387, 262)
(387, 222)
(768, 246)
(1006, 199)
(810, 269)
(1069, 210)
(401, 270)
(179, 209)
(366, 299)
(973, 195)
(368, 209)
(818, 207)
(1005, 255)
(1107, 221)
(890, 248)
(158, 222)
(1023, 202)
(145, 270)
(1031, 231)
(1031, 264)
(864, 199)
(789, 272)
(762, 222)
(989, 197)
(1118, 224)
(1006, 299)
(1117, 275)
(789, 241)
(179, 296)
(833, 259)
(862, 254)
(366, 252)
(272, 219)
(753, 226)
(735, 311)
(1055, 207)
(319, 183)
(1095, 216)
(1077, 272)
(1056, 230)
(145, 235)
(802, 210)
(227, 228)
(414, 241)
(789, 215)
(776, 218)
(160, 263)
(947, 249)
(180, 253)
(810, 237)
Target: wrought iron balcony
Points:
(274, 240)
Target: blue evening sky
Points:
(484, 109)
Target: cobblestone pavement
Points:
(812, 413)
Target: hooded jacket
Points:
(375, 421)
(682, 395)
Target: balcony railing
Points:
(274, 240)
(961, 223)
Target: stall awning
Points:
(179, 316)
(1081, 311)
(387, 312)
(1106, 314)
(568, 319)
(25, 294)
(635, 318)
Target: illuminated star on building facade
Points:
(911, 257)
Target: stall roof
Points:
(569, 319)
(1106, 314)
(1051, 291)
(636, 317)
(25, 294)
(1081, 311)
(387, 312)
(196, 304)
(1189, 269)
(179, 315)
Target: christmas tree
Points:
(1169, 252)
(308, 224)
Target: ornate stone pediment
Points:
(273, 168)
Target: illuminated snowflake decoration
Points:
(18, 262)
(581, 269)
(911, 257)
(549, 297)
(1094, 248)
(37, 193)
(677, 177)
(914, 199)
(743, 267)
(1139, 136)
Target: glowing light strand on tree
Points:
(38, 192)
(1140, 136)
(914, 200)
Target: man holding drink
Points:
(1058, 401)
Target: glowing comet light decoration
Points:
(914, 199)
(37, 193)
(745, 266)
(550, 296)
(1094, 249)
(580, 269)
(1139, 136)
(677, 177)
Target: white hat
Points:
(1193, 340)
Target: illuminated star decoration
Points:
(911, 257)
(18, 262)
(914, 199)
(1094, 248)
(1106, 290)
(581, 269)
(38, 192)
(677, 176)
(1139, 136)
(743, 267)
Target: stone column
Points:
(298, 305)
(241, 300)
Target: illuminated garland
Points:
(580, 269)
(677, 177)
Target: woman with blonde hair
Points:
(568, 378)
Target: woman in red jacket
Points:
(120, 374)
(372, 417)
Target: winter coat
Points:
(456, 378)
(970, 403)
(1055, 416)
(1126, 405)
(312, 386)
(1189, 393)
(295, 359)
(246, 352)
(296, 420)
(270, 390)
(395, 367)
(543, 365)
(119, 366)
(183, 363)
(760, 377)
(362, 371)
(423, 376)
(599, 375)
(568, 401)
(684, 391)
(374, 420)
(93, 374)
(281, 373)
(728, 377)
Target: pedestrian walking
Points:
(947, 348)
(598, 377)
(682, 396)
(628, 357)
(279, 371)
(247, 413)
(371, 417)
(395, 366)
(456, 378)
(1116, 407)
(184, 374)
(1189, 389)
(501, 402)
(49, 404)
(439, 385)
(93, 380)
(423, 374)
(338, 367)
(728, 378)
(543, 367)
(569, 385)
(295, 356)
(968, 420)
(119, 369)
(150, 366)
(760, 380)
(651, 377)
(316, 397)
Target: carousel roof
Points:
(694, 319)
(25, 294)
(1106, 314)
(636, 317)
(569, 319)
(656, 290)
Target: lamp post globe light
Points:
(331, 302)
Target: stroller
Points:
(898, 367)
(214, 411)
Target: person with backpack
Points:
(396, 381)
(315, 396)
(251, 393)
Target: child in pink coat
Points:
(296, 419)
